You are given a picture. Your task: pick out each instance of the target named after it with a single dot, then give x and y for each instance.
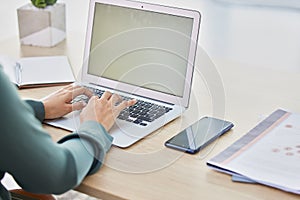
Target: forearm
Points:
(97, 137)
(84, 156)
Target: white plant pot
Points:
(44, 27)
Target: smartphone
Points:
(199, 135)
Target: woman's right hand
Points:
(104, 110)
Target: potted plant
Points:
(42, 23)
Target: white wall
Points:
(251, 33)
(256, 34)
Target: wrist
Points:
(47, 109)
(38, 108)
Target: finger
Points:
(125, 104)
(106, 95)
(93, 98)
(78, 105)
(82, 90)
(76, 91)
(68, 108)
(88, 92)
(131, 102)
(67, 90)
(115, 99)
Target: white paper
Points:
(271, 158)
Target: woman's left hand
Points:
(60, 103)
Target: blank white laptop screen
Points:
(137, 47)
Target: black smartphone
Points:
(199, 134)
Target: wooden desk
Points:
(148, 170)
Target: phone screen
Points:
(200, 134)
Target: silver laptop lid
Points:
(141, 48)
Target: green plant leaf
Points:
(51, 2)
(39, 3)
(43, 3)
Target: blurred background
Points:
(253, 32)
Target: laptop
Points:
(143, 51)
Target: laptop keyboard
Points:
(141, 113)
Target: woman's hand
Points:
(60, 103)
(104, 110)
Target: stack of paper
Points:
(268, 154)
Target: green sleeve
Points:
(100, 143)
(29, 154)
(38, 109)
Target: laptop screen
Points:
(140, 47)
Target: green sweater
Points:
(37, 163)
